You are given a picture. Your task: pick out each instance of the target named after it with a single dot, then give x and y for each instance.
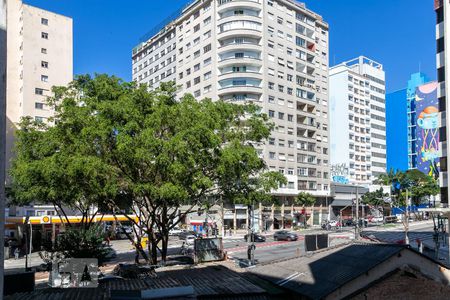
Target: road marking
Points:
(289, 278)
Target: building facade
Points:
(273, 53)
(442, 9)
(358, 121)
(416, 80)
(401, 125)
(39, 56)
(397, 131)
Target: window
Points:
(271, 113)
(207, 89)
(196, 14)
(290, 118)
(44, 50)
(271, 99)
(44, 35)
(207, 48)
(271, 85)
(196, 27)
(271, 141)
(39, 105)
(239, 55)
(207, 76)
(44, 78)
(281, 116)
(207, 21)
(197, 54)
(44, 21)
(39, 91)
(197, 93)
(196, 41)
(207, 35)
(207, 61)
(272, 155)
(197, 80)
(39, 119)
(44, 64)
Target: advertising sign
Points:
(427, 129)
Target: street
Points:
(271, 250)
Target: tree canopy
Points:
(119, 146)
(305, 199)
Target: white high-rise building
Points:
(357, 121)
(270, 52)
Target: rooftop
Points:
(320, 274)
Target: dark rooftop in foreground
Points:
(348, 269)
(208, 281)
(330, 268)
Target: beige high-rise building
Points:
(39, 56)
(273, 53)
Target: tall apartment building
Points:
(357, 121)
(270, 52)
(39, 56)
(442, 9)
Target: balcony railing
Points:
(222, 2)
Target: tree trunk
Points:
(153, 252)
(165, 242)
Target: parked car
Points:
(284, 235)
(190, 240)
(256, 237)
(182, 236)
(352, 222)
(175, 231)
(378, 219)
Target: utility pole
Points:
(407, 218)
(2, 137)
(357, 232)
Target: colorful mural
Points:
(427, 129)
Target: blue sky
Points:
(400, 34)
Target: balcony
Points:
(246, 74)
(227, 4)
(246, 60)
(240, 46)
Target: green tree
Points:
(305, 199)
(82, 243)
(375, 198)
(148, 153)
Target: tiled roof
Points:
(209, 282)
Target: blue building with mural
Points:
(401, 119)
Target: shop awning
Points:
(342, 202)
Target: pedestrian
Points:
(230, 231)
(16, 253)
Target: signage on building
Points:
(427, 129)
(339, 173)
(46, 220)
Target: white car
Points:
(378, 219)
(190, 240)
(335, 223)
(175, 231)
